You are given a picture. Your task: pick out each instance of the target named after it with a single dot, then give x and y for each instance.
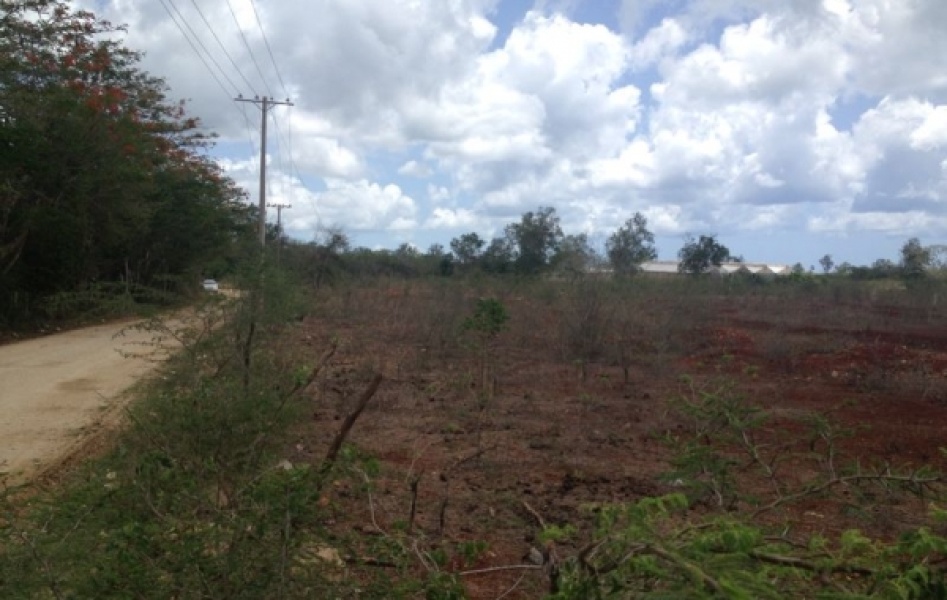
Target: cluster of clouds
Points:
(419, 120)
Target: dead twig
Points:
(913, 479)
(801, 563)
(415, 482)
(513, 587)
(371, 503)
(349, 422)
(296, 389)
(539, 518)
(314, 372)
(445, 477)
(502, 568)
(693, 570)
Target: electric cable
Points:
(259, 24)
(222, 47)
(249, 49)
(199, 55)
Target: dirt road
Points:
(57, 391)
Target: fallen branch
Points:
(349, 422)
(535, 514)
(415, 482)
(323, 361)
(801, 563)
(445, 477)
(503, 568)
(913, 479)
(297, 388)
(692, 570)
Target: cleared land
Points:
(548, 442)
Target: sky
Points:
(790, 129)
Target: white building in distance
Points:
(669, 267)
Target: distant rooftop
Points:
(670, 267)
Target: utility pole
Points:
(279, 213)
(279, 226)
(265, 104)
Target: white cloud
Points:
(660, 42)
(447, 218)
(438, 194)
(767, 60)
(903, 224)
(902, 144)
(416, 169)
(756, 115)
(356, 206)
(539, 108)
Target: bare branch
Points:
(913, 479)
(801, 563)
(503, 568)
(349, 422)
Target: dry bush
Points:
(586, 317)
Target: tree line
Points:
(106, 187)
(536, 245)
(104, 180)
(533, 245)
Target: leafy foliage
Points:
(698, 256)
(102, 178)
(659, 548)
(488, 319)
(198, 498)
(536, 239)
(915, 259)
(467, 249)
(630, 246)
(575, 256)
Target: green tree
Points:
(827, 263)
(322, 261)
(467, 249)
(575, 256)
(882, 268)
(699, 255)
(498, 257)
(438, 261)
(630, 246)
(915, 259)
(102, 178)
(536, 239)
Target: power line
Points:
(196, 51)
(240, 108)
(279, 137)
(246, 120)
(292, 162)
(281, 142)
(279, 157)
(222, 47)
(265, 105)
(198, 40)
(249, 49)
(259, 24)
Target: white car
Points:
(210, 285)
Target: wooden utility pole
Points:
(265, 104)
(279, 226)
(279, 213)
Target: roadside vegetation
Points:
(107, 198)
(518, 417)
